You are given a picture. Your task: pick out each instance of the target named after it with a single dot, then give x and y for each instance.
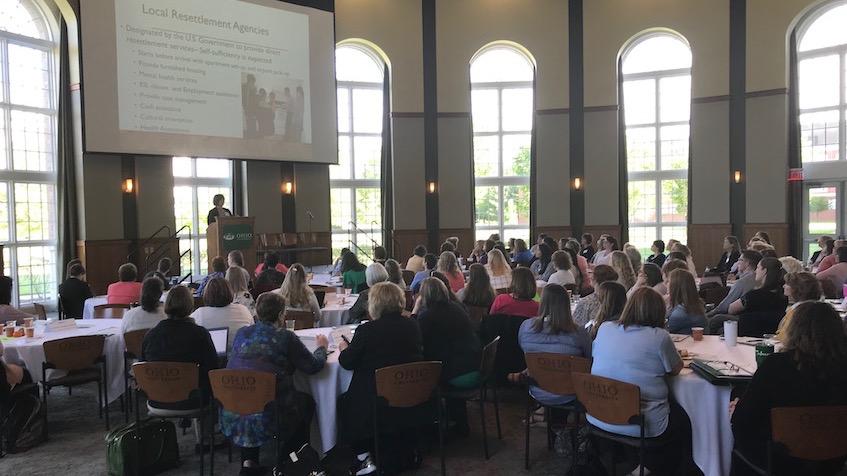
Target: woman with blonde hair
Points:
(237, 279)
(791, 264)
(448, 265)
(686, 251)
(621, 263)
(686, 307)
(297, 294)
(499, 270)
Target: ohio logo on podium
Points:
(237, 237)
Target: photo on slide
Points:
(273, 108)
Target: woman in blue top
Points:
(553, 331)
(638, 350)
(521, 254)
(686, 307)
(267, 347)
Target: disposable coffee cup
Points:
(30, 332)
(9, 330)
(697, 333)
(28, 321)
(730, 333)
(289, 324)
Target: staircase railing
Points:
(148, 240)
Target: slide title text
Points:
(203, 20)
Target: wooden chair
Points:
(82, 358)
(477, 314)
(110, 311)
(132, 352)
(231, 394)
(408, 386)
(408, 276)
(171, 382)
(40, 311)
(486, 379)
(594, 393)
(302, 319)
(814, 435)
(552, 373)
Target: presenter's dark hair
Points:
(5, 290)
(218, 199)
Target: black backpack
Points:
(22, 421)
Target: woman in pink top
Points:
(521, 301)
(282, 268)
(448, 265)
(127, 290)
(837, 273)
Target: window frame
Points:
(500, 180)
(11, 176)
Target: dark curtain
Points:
(238, 187)
(795, 188)
(623, 180)
(386, 176)
(533, 160)
(66, 186)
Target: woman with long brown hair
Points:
(612, 297)
(478, 290)
(686, 307)
(621, 263)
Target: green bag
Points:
(158, 449)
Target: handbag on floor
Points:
(152, 443)
(303, 462)
(22, 425)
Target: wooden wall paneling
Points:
(706, 242)
(101, 259)
(777, 231)
(405, 242)
(465, 235)
(316, 239)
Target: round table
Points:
(707, 405)
(334, 312)
(325, 387)
(31, 353)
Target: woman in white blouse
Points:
(218, 310)
(237, 279)
(499, 270)
(564, 269)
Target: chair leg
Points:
(441, 439)
(106, 394)
(100, 399)
(549, 422)
(528, 416)
(497, 412)
(484, 429)
(202, 424)
(376, 440)
(44, 404)
(212, 451)
(574, 446)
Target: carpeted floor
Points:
(76, 446)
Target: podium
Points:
(230, 234)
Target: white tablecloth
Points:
(334, 313)
(325, 387)
(325, 279)
(88, 307)
(707, 405)
(31, 352)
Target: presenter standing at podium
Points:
(219, 210)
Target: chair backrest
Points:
(489, 357)
(110, 311)
(408, 276)
(167, 382)
(608, 400)
(712, 292)
(73, 353)
(133, 340)
(245, 392)
(552, 372)
(302, 319)
(408, 385)
(811, 433)
(40, 311)
(477, 314)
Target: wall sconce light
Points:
(128, 185)
(736, 177)
(287, 187)
(577, 183)
(431, 187)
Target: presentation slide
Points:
(212, 78)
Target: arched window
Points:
(355, 196)
(28, 103)
(656, 76)
(502, 112)
(821, 68)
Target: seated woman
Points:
(127, 290)
(394, 274)
(448, 265)
(430, 263)
(553, 331)
(543, 267)
(388, 339)
(638, 350)
(416, 262)
(768, 295)
(478, 291)
(671, 264)
(479, 254)
(521, 255)
(269, 347)
(336, 267)
(586, 245)
(798, 288)
(375, 273)
(827, 248)
(7, 311)
(658, 257)
(612, 297)
(218, 271)
(620, 262)
(74, 291)
(837, 273)
(583, 279)
(686, 307)
(808, 372)
(380, 254)
(297, 294)
(499, 270)
(588, 306)
(151, 311)
(689, 260)
(731, 253)
(235, 259)
(270, 261)
(649, 276)
(269, 278)
(353, 273)
(521, 301)
(237, 279)
(179, 339)
(218, 310)
(448, 336)
(634, 257)
(564, 269)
